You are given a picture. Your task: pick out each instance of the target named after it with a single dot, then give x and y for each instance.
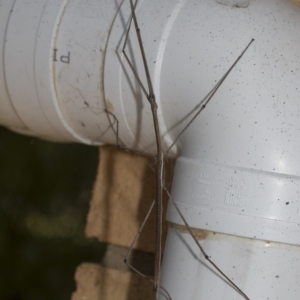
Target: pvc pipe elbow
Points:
(238, 172)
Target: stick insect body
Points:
(160, 160)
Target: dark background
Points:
(45, 190)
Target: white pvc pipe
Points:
(237, 176)
(240, 176)
(52, 68)
(8, 116)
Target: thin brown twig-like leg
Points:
(189, 229)
(210, 97)
(131, 247)
(138, 233)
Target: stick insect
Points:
(160, 158)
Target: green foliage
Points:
(45, 190)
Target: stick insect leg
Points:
(135, 239)
(131, 247)
(125, 54)
(118, 139)
(210, 96)
(201, 248)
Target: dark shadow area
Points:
(45, 190)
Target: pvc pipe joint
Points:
(237, 176)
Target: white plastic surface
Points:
(8, 115)
(78, 67)
(51, 73)
(263, 270)
(239, 168)
(65, 68)
(19, 61)
(238, 173)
